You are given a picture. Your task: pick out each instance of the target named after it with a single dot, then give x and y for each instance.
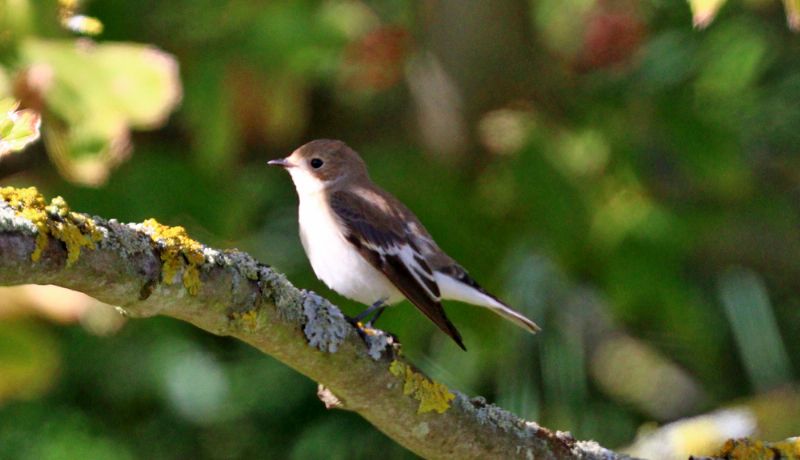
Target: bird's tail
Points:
(512, 315)
(460, 286)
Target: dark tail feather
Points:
(453, 333)
(441, 321)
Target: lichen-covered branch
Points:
(150, 269)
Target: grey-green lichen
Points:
(378, 341)
(125, 239)
(490, 414)
(593, 450)
(244, 301)
(76, 231)
(325, 326)
(277, 289)
(243, 263)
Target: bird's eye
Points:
(316, 163)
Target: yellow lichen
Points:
(178, 252)
(249, 318)
(751, 449)
(432, 396)
(75, 230)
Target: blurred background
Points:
(629, 182)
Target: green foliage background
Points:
(619, 174)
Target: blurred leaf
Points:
(5, 84)
(749, 311)
(581, 154)
(351, 19)
(612, 37)
(293, 36)
(71, 435)
(317, 443)
(376, 61)
(776, 118)
(555, 208)
(53, 303)
(267, 107)
(562, 23)
(734, 58)
(792, 14)
(18, 128)
(708, 154)
(94, 95)
(16, 19)
(505, 131)
(634, 372)
(564, 383)
(668, 59)
(623, 209)
(29, 360)
(210, 114)
(778, 412)
(193, 382)
(81, 24)
(696, 436)
(704, 11)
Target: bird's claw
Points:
(365, 328)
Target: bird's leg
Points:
(378, 314)
(378, 307)
(366, 330)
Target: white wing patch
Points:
(414, 263)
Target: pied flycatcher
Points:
(366, 245)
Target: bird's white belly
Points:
(337, 262)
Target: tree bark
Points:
(148, 269)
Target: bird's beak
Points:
(283, 162)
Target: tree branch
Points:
(148, 269)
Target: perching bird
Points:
(366, 245)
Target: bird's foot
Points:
(367, 328)
(375, 339)
(361, 327)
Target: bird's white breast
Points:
(336, 261)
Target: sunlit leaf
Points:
(78, 23)
(704, 11)
(68, 4)
(18, 128)
(792, 14)
(16, 18)
(8, 105)
(95, 95)
(81, 24)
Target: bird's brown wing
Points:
(379, 232)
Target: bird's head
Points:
(321, 164)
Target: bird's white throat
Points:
(305, 182)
